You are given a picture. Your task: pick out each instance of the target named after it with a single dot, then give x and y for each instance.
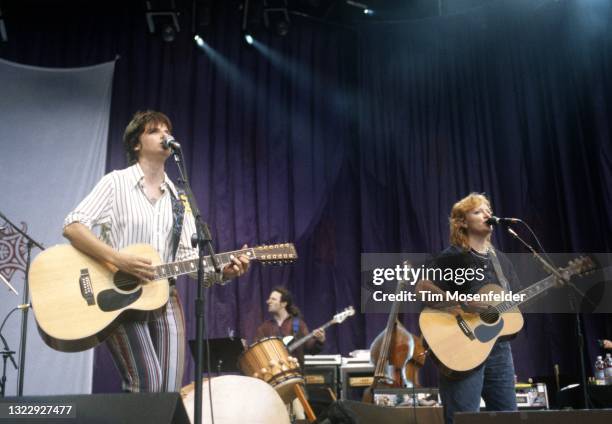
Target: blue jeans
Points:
(494, 380)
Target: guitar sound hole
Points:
(125, 281)
(490, 316)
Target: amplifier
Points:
(321, 372)
(321, 376)
(528, 397)
(354, 378)
(323, 360)
(403, 397)
(531, 396)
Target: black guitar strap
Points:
(498, 270)
(178, 214)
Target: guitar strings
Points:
(223, 259)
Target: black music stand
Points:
(224, 353)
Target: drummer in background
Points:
(286, 321)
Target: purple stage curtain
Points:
(363, 141)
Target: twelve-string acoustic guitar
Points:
(78, 301)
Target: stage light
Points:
(163, 15)
(249, 39)
(364, 7)
(168, 33)
(199, 40)
(276, 16)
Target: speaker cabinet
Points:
(355, 378)
(592, 416)
(353, 412)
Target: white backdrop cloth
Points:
(53, 139)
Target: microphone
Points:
(497, 221)
(170, 143)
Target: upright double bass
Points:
(397, 354)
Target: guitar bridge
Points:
(465, 328)
(86, 289)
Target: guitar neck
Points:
(175, 269)
(300, 342)
(529, 292)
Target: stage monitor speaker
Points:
(592, 416)
(353, 412)
(322, 376)
(116, 408)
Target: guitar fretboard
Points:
(293, 346)
(174, 269)
(530, 292)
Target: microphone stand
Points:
(203, 240)
(26, 299)
(572, 296)
(6, 354)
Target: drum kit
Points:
(267, 360)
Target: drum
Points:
(269, 360)
(237, 400)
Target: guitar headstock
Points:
(581, 265)
(276, 254)
(341, 316)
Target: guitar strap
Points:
(178, 214)
(296, 325)
(498, 270)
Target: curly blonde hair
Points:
(458, 232)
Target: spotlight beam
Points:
(227, 69)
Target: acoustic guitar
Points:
(78, 301)
(461, 342)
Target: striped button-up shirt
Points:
(119, 207)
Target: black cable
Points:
(6, 318)
(533, 234)
(6, 347)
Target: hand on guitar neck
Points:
(449, 306)
(86, 241)
(319, 334)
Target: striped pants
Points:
(150, 355)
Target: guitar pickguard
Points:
(485, 333)
(110, 300)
